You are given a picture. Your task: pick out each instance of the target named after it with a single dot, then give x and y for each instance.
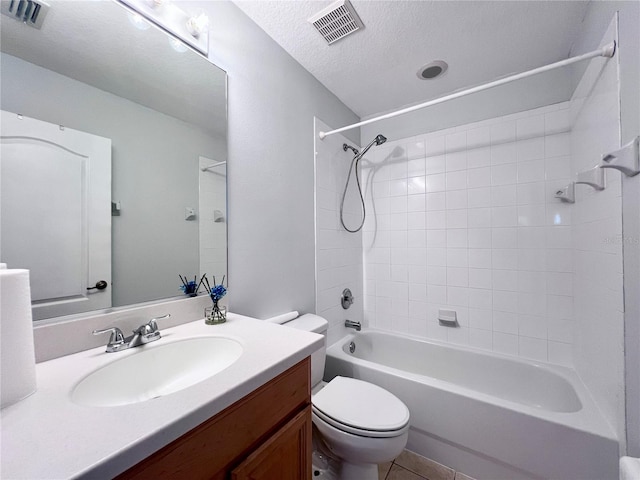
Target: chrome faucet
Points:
(146, 333)
(352, 324)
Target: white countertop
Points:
(48, 436)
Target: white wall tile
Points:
(504, 174)
(531, 171)
(435, 201)
(479, 237)
(435, 183)
(472, 225)
(503, 153)
(558, 121)
(456, 199)
(557, 145)
(530, 127)
(456, 180)
(479, 197)
(503, 132)
(505, 343)
(416, 149)
(479, 157)
(479, 218)
(560, 353)
(504, 195)
(456, 218)
(533, 348)
(435, 164)
(480, 257)
(478, 137)
(435, 145)
(530, 149)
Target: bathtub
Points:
(488, 415)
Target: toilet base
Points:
(358, 471)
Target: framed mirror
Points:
(94, 71)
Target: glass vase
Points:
(215, 314)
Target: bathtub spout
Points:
(352, 324)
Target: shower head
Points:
(379, 140)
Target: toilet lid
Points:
(361, 405)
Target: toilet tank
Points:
(316, 324)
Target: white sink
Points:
(156, 370)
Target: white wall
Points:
(491, 103)
(338, 252)
(595, 22)
(466, 220)
(272, 102)
(598, 240)
(154, 180)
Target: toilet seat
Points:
(361, 408)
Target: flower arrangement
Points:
(215, 314)
(189, 287)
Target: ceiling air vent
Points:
(27, 11)
(337, 21)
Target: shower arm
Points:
(608, 50)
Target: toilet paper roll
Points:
(17, 355)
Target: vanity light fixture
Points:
(198, 24)
(192, 30)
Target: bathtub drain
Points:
(352, 347)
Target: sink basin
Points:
(156, 371)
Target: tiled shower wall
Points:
(338, 253)
(466, 219)
(212, 215)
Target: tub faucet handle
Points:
(351, 324)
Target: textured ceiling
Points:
(94, 42)
(374, 70)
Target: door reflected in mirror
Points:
(164, 113)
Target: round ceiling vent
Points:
(432, 70)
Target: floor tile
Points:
(399, 473)
(383, 469)
(424, 467)
(462, 476)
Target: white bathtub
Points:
(487, 415)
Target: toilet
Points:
(361, 424)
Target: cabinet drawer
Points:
(286, 455)
(215, 446)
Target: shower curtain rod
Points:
(204, 169)
(606, 51)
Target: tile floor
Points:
(411, 466)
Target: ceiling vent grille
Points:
(30, 12)
(337, 21)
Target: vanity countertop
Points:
(48, 436)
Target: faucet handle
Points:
(152, 323)
(117, 337)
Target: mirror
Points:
(94, 68)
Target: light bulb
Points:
(177, 45)
(138, 21)
(197, 24)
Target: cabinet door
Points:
(284, 456)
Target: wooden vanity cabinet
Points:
(263, 436)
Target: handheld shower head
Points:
(380, 139)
